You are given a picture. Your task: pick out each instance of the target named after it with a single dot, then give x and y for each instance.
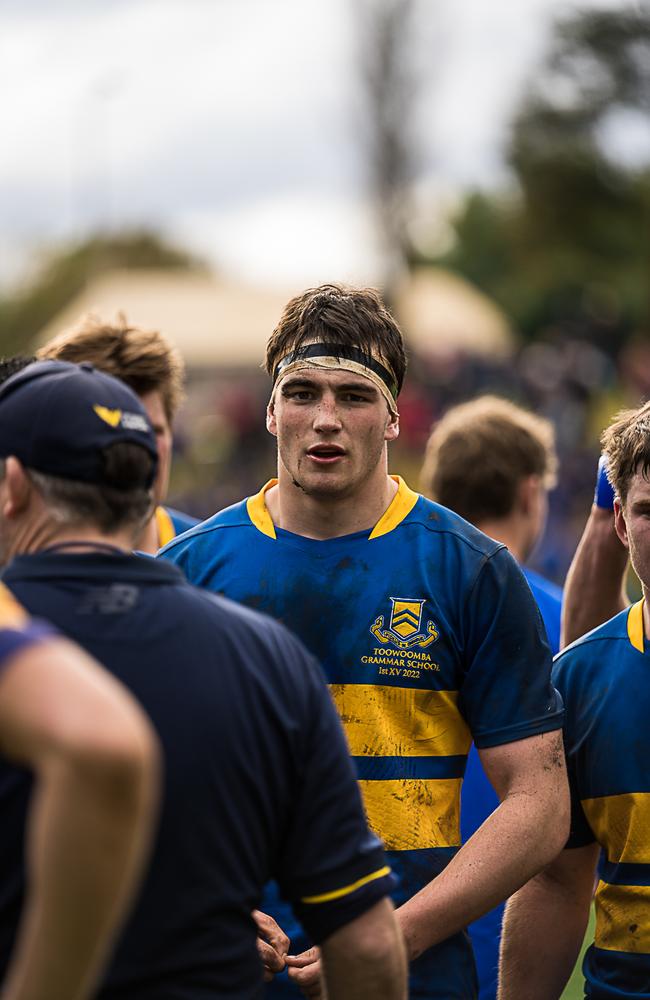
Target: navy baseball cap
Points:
(57, 417)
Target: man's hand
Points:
(272, 944)
(305, 971)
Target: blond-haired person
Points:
(154, 369)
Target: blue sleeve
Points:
(507, 693)
(332, 868)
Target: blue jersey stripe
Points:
(387, 768)
(624, 874)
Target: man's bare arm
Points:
(595, 585)
(96, 765)
(523, 834)
(544, 927)
(365, 958)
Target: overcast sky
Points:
(235, 126)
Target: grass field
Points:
(575, 987)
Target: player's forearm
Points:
(543, 930)
(595, 585)
(366, 958)
(515, 842)
(89, 829)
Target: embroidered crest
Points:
(405, 627)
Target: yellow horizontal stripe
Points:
(347, 889)
(623, 918)
(621, 824)
(401, 722)
(413, 813)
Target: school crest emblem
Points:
(405, 627)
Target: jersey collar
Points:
(635, 628)
(165, 527)
(399, 508)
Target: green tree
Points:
(575, 238)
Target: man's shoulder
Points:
(588, 654)
(447, 526)
(203, 532)
(181, 521)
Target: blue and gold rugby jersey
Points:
(428, 635)
(604, 680)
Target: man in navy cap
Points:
(258, 782)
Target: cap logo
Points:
(111, 417)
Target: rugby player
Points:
(427, 631)
(148, 363)
(494, 462)
(603, 679)
(258, 783)
(94, 759)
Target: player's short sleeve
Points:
(332, 867)
(506, 693)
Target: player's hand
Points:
(305, 971)
(272, 944)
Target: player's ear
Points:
(392, 427)
(16, 488)
(619, 523)
(271, 422)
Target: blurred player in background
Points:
(154, 369)
(493, 463)
(94, 760)
(257, 781)
(603, 680)
(427, 631)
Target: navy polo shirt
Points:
(258, 783)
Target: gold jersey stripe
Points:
(414, 813)
(623, 918)
(383, 721)
(345, 890)
(165, 526)
(621, 824)
(12, 614)
(635, 630)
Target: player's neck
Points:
(49, 535)
(329, 516)
(148, 540)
